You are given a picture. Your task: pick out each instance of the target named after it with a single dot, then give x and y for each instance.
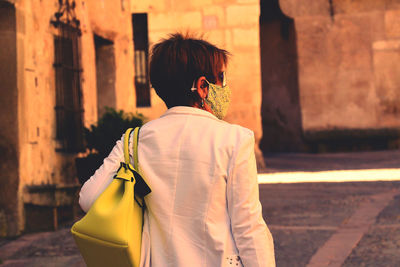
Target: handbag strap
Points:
(135, 148)
(126, 145)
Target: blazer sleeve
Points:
(252, 236)
(103, 176)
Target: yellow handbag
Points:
(110, 234)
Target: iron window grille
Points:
(69, 105)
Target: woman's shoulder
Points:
(238, 130)
(205, 124)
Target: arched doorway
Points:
(9, 146)
(280, 110)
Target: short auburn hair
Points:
(180, 60)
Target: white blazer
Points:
(204, 208)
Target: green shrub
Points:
(110, 127)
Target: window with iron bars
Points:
(69, 106)
(141, 58)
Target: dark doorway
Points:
(141, 58)
(280, 109)
(9, 148)
(105, 74)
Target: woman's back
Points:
(190, 160)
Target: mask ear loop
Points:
(193, 87)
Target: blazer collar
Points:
(189, 111)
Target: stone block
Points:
(341, 99)
(386, 45)
(210, 22)
(160, 21)
(375, 24)
(247, 1)
(392, 4)
(246, 37)
(244, 89)
(179, 6)
(311, 33)
(189, 20)
(295, 8)
(197, 4)
(387, 82)
(392, 23)
(351, 6)
(140, 6)
(242, 15)
(148, 6)
(244, 63)
(351, 38)
(349, 102)
(178, 21)
(220, 2)
(216, 37)
(216, 13)
(315, 58)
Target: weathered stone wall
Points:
(40, 163)
(232, 25)
(9, 147)
(348, 57)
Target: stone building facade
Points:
(37, 166)
(58, 78)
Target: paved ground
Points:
(284, 162)
(304, 217)
(358, 223)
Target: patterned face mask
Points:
(219, 98)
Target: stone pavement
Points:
(339, 246)
(334, 224)
(356, 222)
(313, 222)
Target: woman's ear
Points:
(202, 87)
